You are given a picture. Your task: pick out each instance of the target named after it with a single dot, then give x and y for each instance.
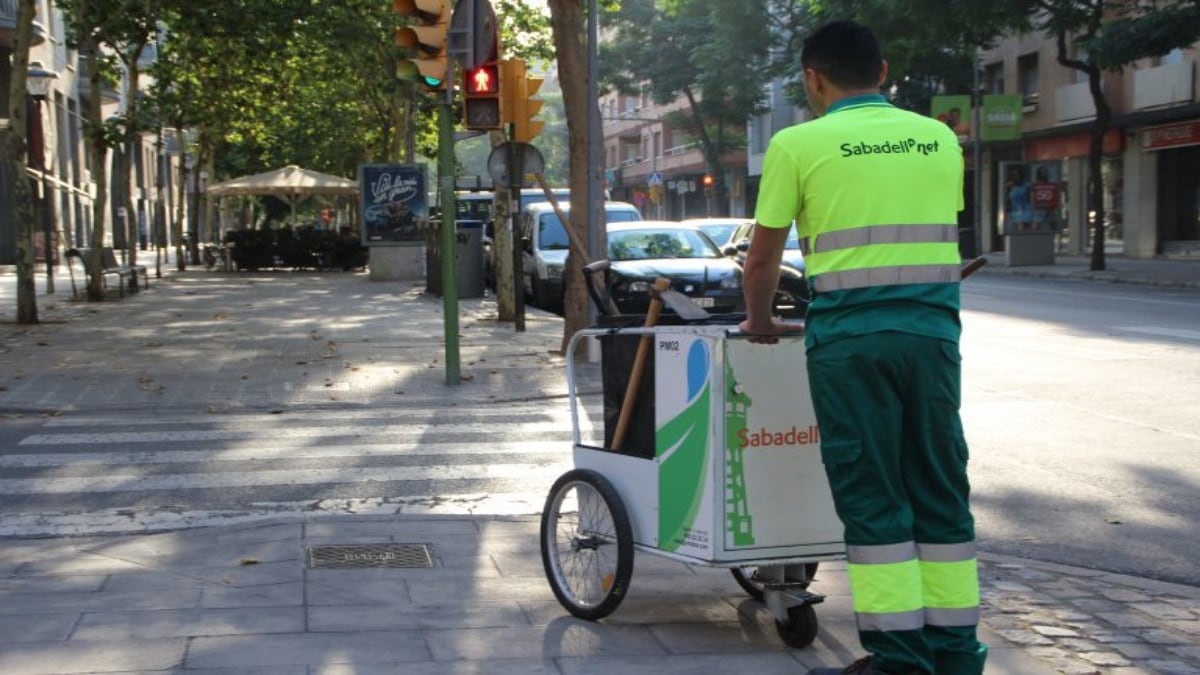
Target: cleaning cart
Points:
(709, 455)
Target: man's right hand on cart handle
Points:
(760, 278)
(768, 333)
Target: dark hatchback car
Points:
(793, 294)
(640, 252)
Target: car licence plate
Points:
(703, 302)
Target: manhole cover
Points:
(356, 556)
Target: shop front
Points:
(1046, 194)
(1176, 148)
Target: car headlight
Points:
(554, 271)
(731, 282)
(639, 287)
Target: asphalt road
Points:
(1080, 404)
(1081, 408)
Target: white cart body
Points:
(735, 477)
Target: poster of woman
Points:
(1018, 199)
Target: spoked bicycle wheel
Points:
(587, 544)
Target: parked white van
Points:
(544, 246)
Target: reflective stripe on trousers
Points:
(907, 586)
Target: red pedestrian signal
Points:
(483, 80)
(481, 105)
(707, 180)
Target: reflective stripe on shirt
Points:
(886, 276)
(884, 234)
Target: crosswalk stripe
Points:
(258, 452)
(134, 482)
(117, 521)
(553, 410)
(95, 474)
(528, 429)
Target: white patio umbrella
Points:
(290, 183)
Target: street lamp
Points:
(38, 82)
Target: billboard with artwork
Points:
(395, 205)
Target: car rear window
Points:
(621, 216)
(659, 243)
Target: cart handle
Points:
(605, 303)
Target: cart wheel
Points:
(800, 629)
(747, 578)
(587, 544)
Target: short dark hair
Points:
(844, 52)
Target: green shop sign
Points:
(1002, 117)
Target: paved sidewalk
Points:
(1178, 273)
(243, 599)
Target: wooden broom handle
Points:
(639, 365)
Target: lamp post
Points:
(38, 83)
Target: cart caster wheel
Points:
(800, 628)
(587, 544)
(747, 578)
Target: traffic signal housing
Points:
(519, 108)
(482, 89)
(424, 38)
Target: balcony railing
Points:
(8, 25)
(1073, 102)
(1163, 85)
(110, 94)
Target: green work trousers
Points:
(892, 443)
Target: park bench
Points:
(126, 276)
(109, 258)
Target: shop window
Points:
(1027, 78)
(1081, 54)
(1112, 174)
(993, 78)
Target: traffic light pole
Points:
(514, 209)
(449, 238)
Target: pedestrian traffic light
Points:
(707, 181)
(423, 38)
(519, 108)
(481, 99)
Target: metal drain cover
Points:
(358, 556)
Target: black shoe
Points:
(859, 667)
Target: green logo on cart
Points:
(683, 454)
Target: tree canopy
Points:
(713, 55)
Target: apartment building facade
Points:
(61, 166)
(1151, 167)
(659, 168)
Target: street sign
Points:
(654, 179)
(474, 38)
(529, 161)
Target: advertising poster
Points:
(1046, 197)
(394, 203)
(955, 112)
(776, 492)
(1033, 200)
(1002, 115)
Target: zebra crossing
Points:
(86, 475)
